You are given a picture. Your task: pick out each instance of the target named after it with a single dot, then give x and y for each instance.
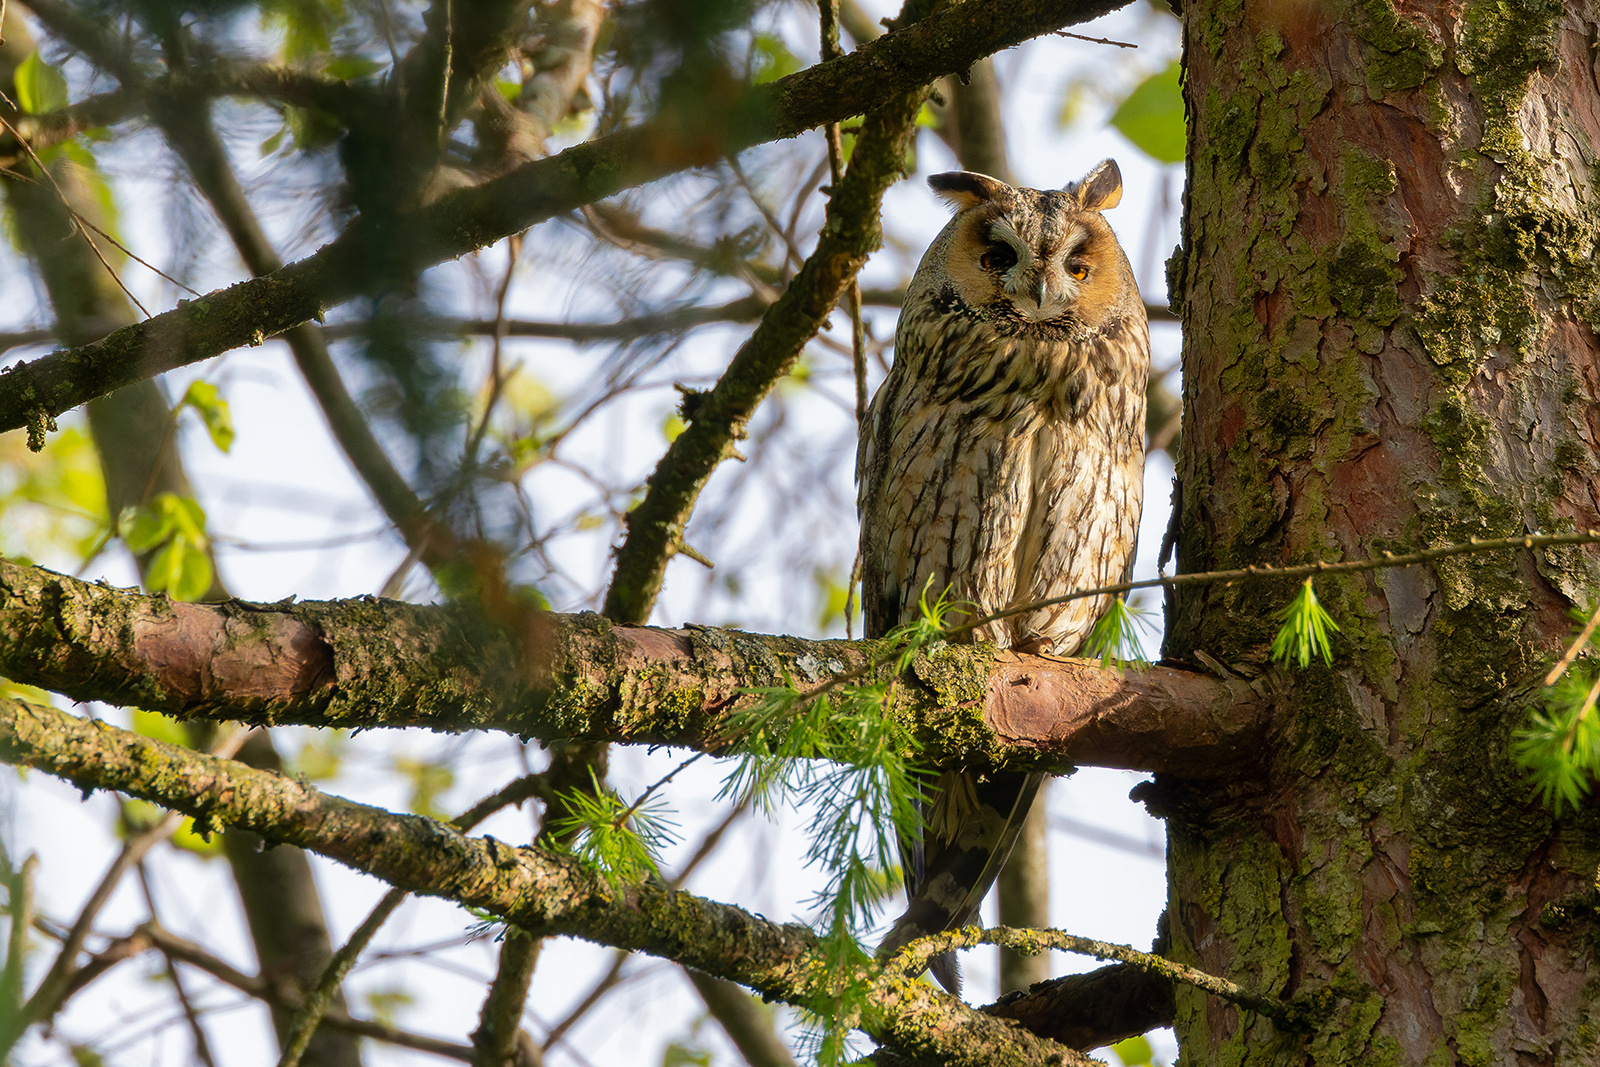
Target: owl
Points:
(1003, 459)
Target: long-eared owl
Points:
(1003, 459)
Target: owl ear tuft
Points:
(962, 189)
(1101, 188)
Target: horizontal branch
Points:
(540, 891)
(369, 663)
(473, 218)
(914, 959)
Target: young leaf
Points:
(1305, 630)
(40, 87)
(1152, 116)
(213, 410)
(621, 841)
(1560, 748)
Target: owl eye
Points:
(999, 259)
(1079, 271)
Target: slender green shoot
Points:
(1115, 636)
(841, 753)
(1560, 748)
(622, 841)
(1305, 630)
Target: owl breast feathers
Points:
(1003, 459)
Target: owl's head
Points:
(1036, 255)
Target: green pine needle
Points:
(620, 840)
(1305, 630)
(1560, 748)
(1115, 636)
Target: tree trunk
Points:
(1389, 301)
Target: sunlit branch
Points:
(915, 957)
(473, 218)
(540, 891)
(375, 663)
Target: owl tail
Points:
(970, 827)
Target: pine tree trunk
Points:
(1388, 289)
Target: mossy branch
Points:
(914, 959)
(540, 891)
(369, 663)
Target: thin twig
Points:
(1242, 574)
(202, 1047)
(48, 996)
(622, 820)
(1093, 40)
(1572, 652)
(78, 220)
(916, 956)
(1306, 570)
(315, 1005)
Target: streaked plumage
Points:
(1003, 457)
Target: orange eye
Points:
(1078, 271)
(999, 259)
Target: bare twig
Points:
(51, 991)
(314, 1006)
(1572, 652)
(202, 1047)
(914, 958)
(1093, 40)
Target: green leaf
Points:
(1152, 116)
(213, 411)
(40, 87)
(349, 68)
(1305, 630)
(620, 841)
(1115, 635)
(430, 781)
(159, 727)
(1560, 748)
(273, 143)
(85, 1056)
(206, 846)
(677, 1055)
(180, 569)
(311, 128)
(188, 517)
(771, 60)
(142, 529)
(1134, 1052)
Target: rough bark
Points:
(1388, 290)
(542, 892)
(369, 663)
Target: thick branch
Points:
(369, 663)
(473, 218)
(540, 891)
(1089, 1010)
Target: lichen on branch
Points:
(541, 891)
(368, 663)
